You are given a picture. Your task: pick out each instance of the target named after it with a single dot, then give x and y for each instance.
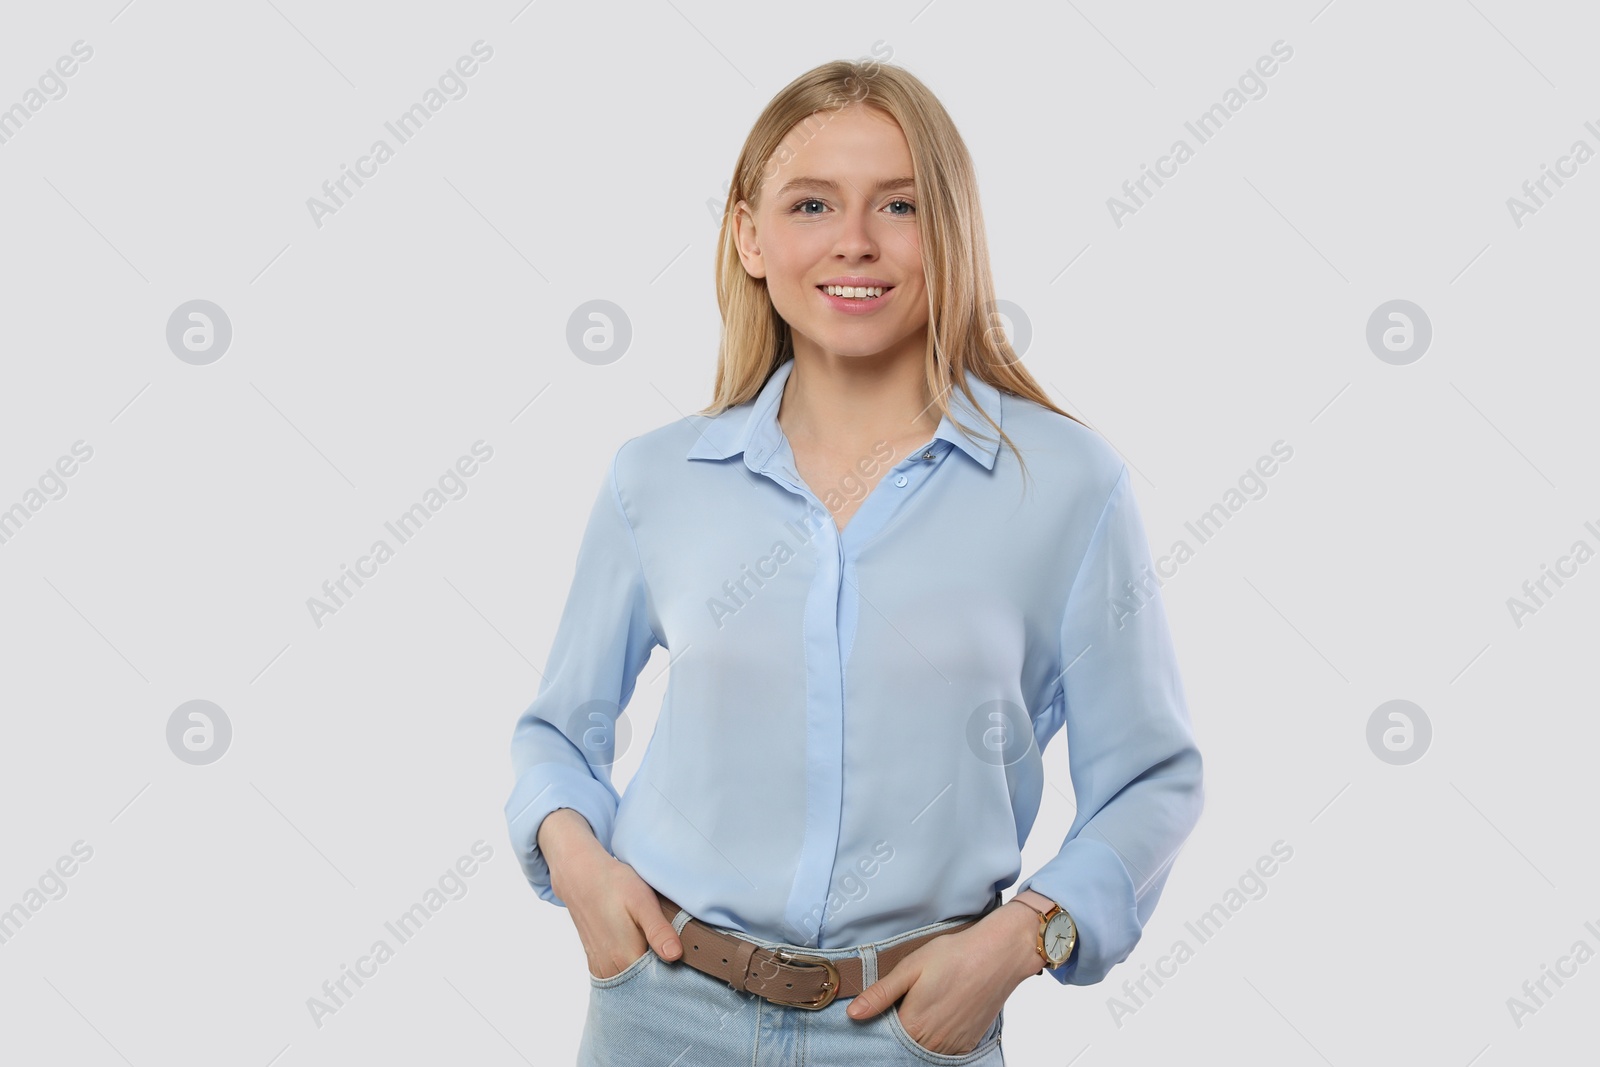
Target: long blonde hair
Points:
(955, 252)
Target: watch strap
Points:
(1030, 907)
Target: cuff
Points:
(542, 789)
(1088, 879)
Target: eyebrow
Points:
(807, 182)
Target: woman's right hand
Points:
(616, 912)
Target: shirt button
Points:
(901, 480)
(927, 455)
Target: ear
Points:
(745, 238)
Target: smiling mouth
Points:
(863, 293)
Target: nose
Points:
(856, 239)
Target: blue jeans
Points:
(660, 1014)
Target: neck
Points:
(852, 401)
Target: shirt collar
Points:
(752, 427)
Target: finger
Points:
(882, 993)
(663, 939)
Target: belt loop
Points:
(677, 916)
(743, 950)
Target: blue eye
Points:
(796, 210)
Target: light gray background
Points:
(369, 754)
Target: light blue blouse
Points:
(849, 742)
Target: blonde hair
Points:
(955, 251)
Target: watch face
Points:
(1059, 937)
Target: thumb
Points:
(882, 993)
(653, 924)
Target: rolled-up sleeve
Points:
(564, 743)
(1136, 771)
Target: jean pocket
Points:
(986, 1044)
(630, 971)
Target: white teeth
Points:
(855, 292)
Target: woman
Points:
(878, 614)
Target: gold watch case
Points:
(1058, 936)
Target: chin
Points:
(855, 351)
(860, 344)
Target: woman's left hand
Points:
(956, 984)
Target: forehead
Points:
(849, 143)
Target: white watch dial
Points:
(1059, 935)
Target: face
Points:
(837, 204)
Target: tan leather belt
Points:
(793, 979)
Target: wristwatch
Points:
(1058, 934)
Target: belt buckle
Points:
(830, 990)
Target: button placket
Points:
(830, 623)
(824, 730)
